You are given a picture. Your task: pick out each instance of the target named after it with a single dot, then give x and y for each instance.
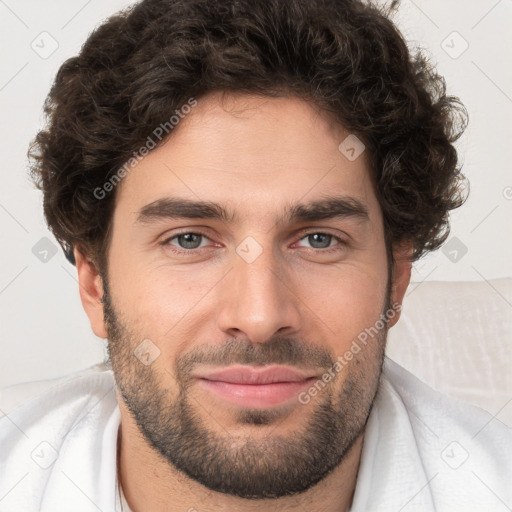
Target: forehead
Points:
(255, 153)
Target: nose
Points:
(258, 300)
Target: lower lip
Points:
(256, 395)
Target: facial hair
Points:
(176, 426)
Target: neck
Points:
(151, 483)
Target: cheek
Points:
(159, 302)
(347, 301)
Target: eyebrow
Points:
(340, 207)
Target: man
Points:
(243, 187)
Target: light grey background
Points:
(43, 329)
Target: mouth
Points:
(256, 387)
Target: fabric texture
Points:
(423, 451)
(455, 336)
(123, 506)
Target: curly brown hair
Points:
(346, 56)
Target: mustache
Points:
(284, 351)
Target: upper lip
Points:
(253, 375)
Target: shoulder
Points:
(464, 449)
(13, 396)
(55, 428)
(34, 404)
(54, 436)
(439, 409)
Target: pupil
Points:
(314, 239)
(189, 242)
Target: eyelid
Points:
(199, 232)
(326, 231)
(342, 242)
(300, 235)
(172, 233)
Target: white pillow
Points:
(457, 337)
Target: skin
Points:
(293, 304)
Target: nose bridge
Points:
(256, 300)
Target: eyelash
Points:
(340, 246)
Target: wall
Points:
(43, 329)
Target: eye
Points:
(186, 241)
(190, 242)
(322, 241)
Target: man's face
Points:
(268, 287)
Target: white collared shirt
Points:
(121, 503)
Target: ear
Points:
(91, 291)
(401, 277)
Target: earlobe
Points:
(401, 278)
(91, 292)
